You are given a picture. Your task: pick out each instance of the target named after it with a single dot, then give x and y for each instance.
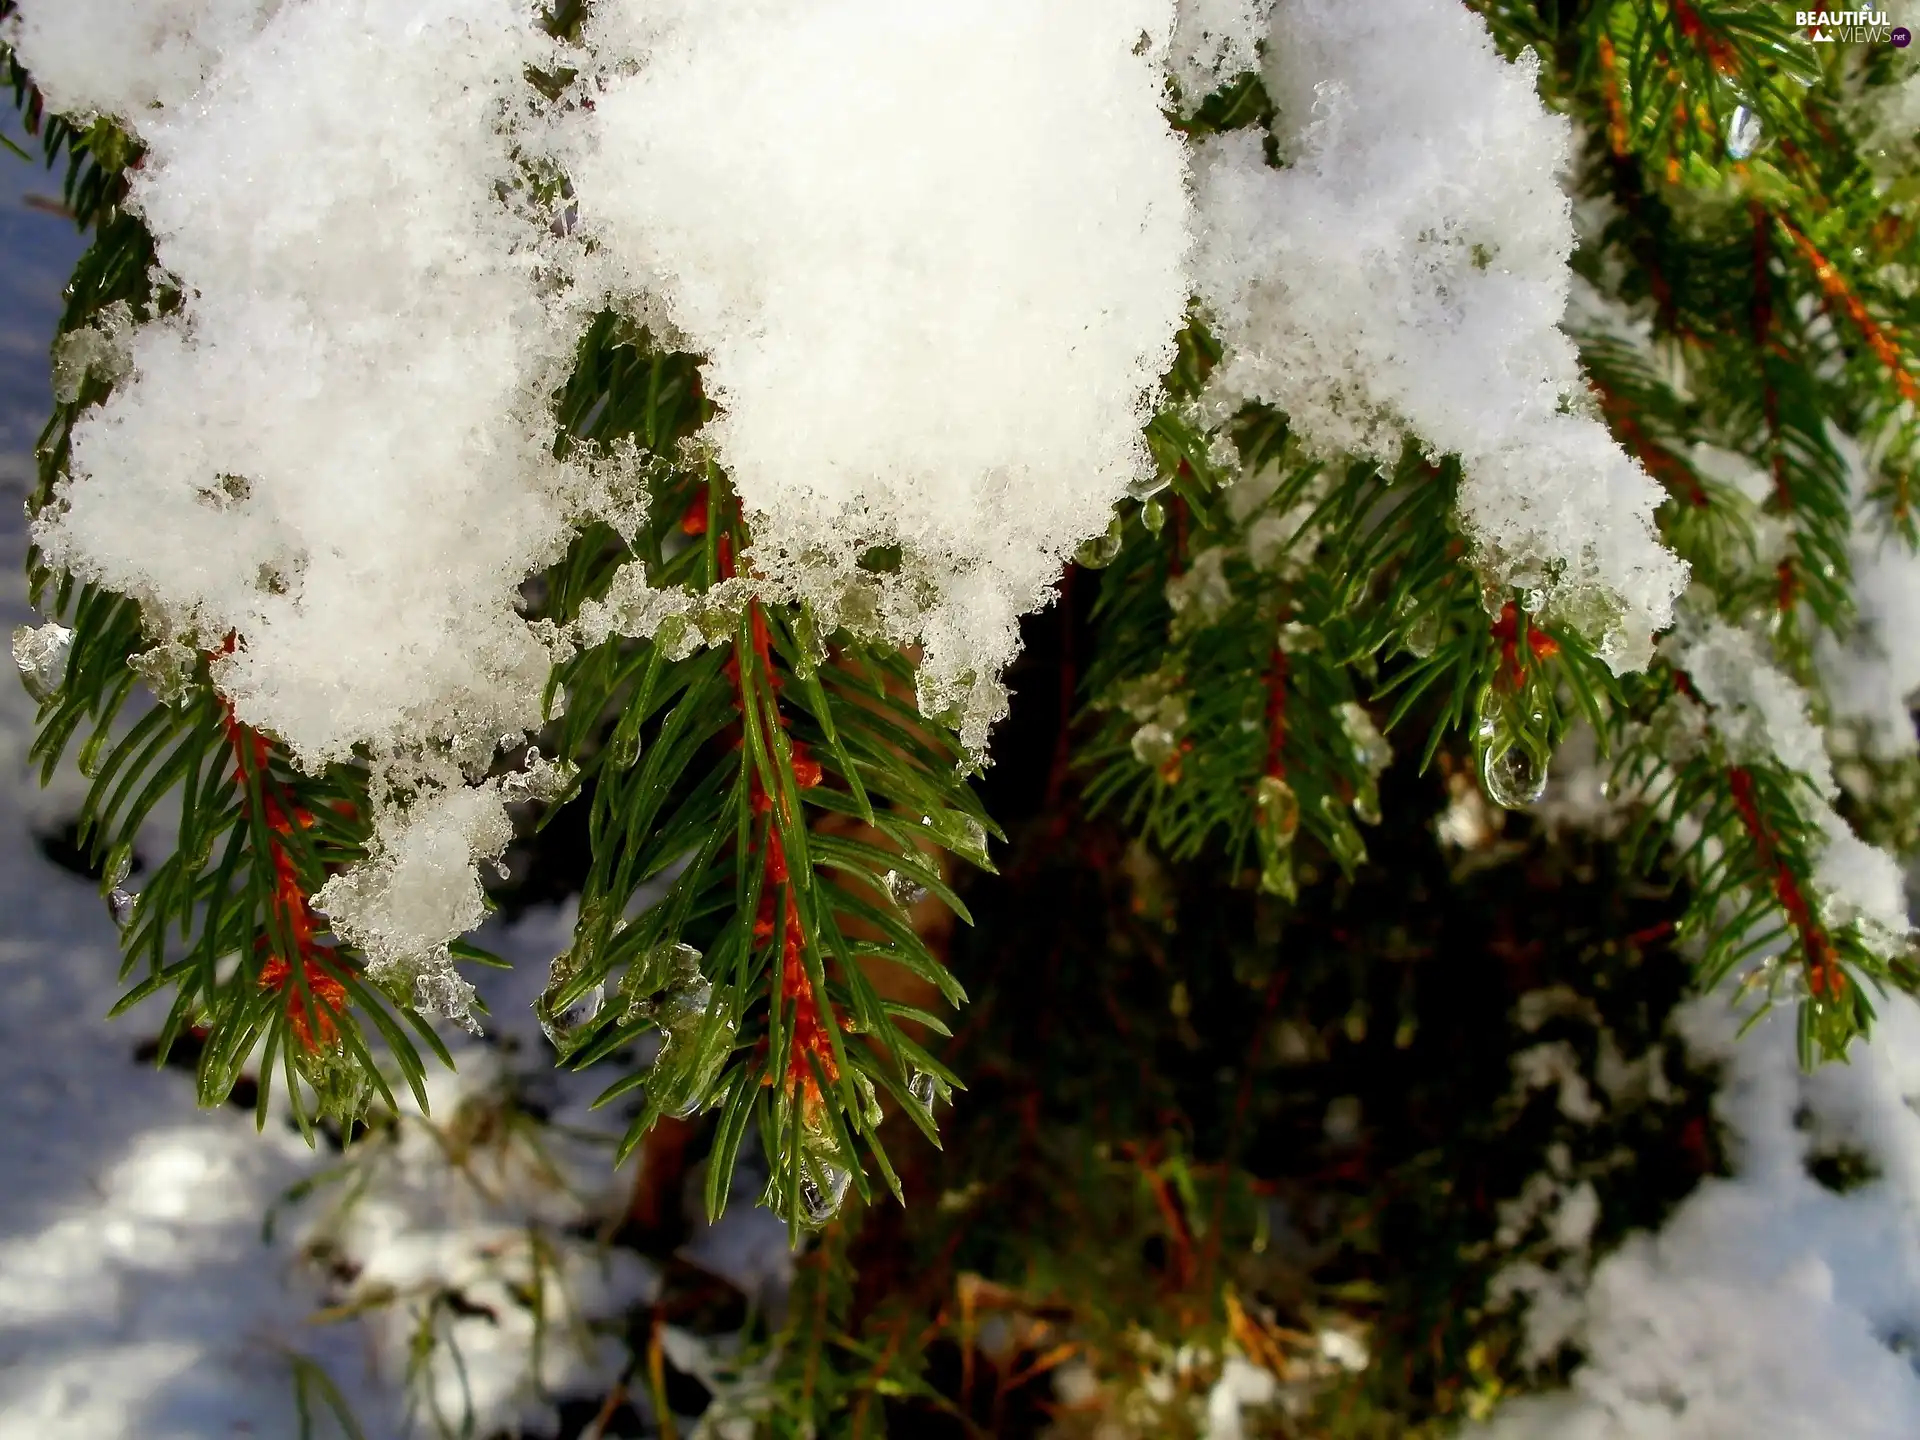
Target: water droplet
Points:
(692, 1055)
(1276, 811)
(1370, 747)
(1341, 1123)
(1276, 876)
(820, 1199)
(1154, 745)
(667, 987)
(1153, 515)
(167, 670)
(677, 638)
(123, 904)
(1276, 818)
(903, 890)
(562, 1026)
(678, 1006)
(664, 982)
(1423, 634)
(1141, 696)
(1744, 133)
(1513, 743)
(922, 1088)
(1099, 552)
(1342, 839)
(540, 780)
(623, 746)
(439, 989)
(858, 606)
(870, 1108)
(40, 652)
(99, 350)
(200, 852)
(960, 833)
(1145, 487)
(1366, 803)
(682, 962)
(1512, 776)
(118, 867)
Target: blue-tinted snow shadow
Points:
(39, 248)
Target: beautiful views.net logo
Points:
(1851, 27)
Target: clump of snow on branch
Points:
(933, 256)
(338, 450)
(1405, 274)
(1887, 115)
(1869, 679)
(1768, 1304)
(1869, 676)
(419, 890)
(1761, 716)
(123, 57)
(1214, 41)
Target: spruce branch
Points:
(1750, 834)
(725, 755)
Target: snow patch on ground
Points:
(1768, 1305)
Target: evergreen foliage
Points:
(767, 812)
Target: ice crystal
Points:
(40, 654)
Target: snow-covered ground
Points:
(1770, 1306)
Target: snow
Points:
(1405, 275)
(139, 1299)
(142, 1299)
(340, 453)
(1241, 1386)
(933, 257)
(108, 57)
(1768, 1304)
(1868, 676)
(1214, 41)
(1762, 716)
(374, 399)
(1890, 115)
(419, 888)
(1869, 680)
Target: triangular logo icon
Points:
(1821, 38)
